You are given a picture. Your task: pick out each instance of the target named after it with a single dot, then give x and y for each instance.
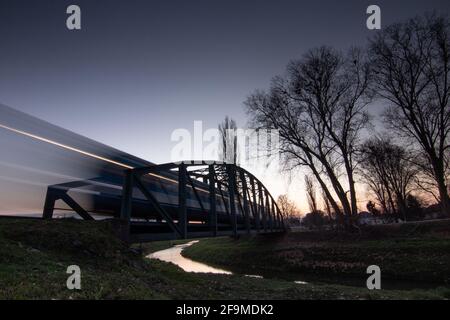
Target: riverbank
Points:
(35, 254)
(410, 256)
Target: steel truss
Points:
(246, 202)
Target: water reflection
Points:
(174, 256)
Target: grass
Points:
(411, 259)
(418, 260)
(35, 254)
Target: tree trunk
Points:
(443, 195)
(402, 207)
(339, 192)
(351, 183)
(439, 175)
(325, 189)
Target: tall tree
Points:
(389, 172)
(319, 111)
(287, 207)
(411, 62)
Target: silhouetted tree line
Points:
(319, 107)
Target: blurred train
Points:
(37, 155)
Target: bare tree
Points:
(229, 146)
(389, 172)
(287, 207)
(319, 111)
(411, 62)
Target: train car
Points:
(39, 158)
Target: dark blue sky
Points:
(140, 69)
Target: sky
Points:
(138, 70)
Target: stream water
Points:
(173, 255)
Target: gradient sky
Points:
(140, 69)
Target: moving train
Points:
(39, 157)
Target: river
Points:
(173, 255)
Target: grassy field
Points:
(411, 257)
(35, 254)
